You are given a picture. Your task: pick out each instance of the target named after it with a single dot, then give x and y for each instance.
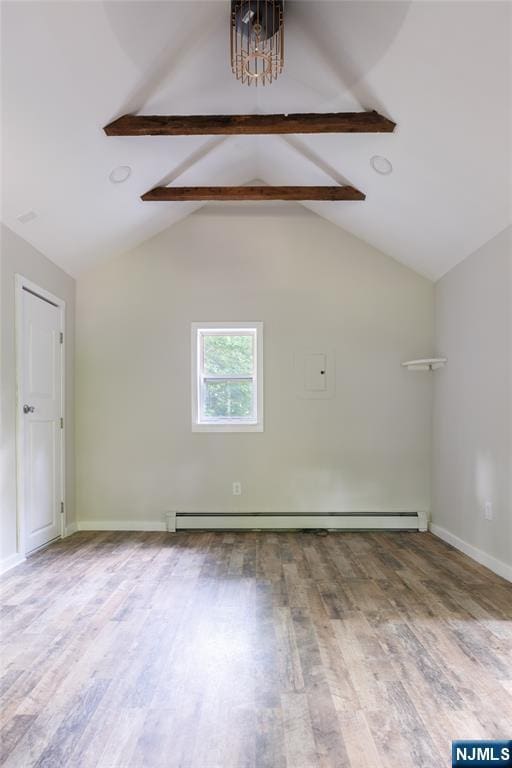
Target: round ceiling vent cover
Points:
(381, 165)
(120, 174)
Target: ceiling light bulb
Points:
(120, 174)
(381, 165)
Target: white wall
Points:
(312, 285)
(472, 442)
(17, 256)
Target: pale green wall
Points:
(472, 445)
(313, 286)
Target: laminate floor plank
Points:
(251, 650)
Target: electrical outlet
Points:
(488, 513)
(237, 489)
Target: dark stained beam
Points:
(205, 125)
(184, 194)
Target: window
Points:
(227, 377)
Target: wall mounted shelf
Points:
(426, 364)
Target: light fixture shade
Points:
(257, 40)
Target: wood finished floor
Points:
(252, 650)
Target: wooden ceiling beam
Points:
(206, 125)
(184, 194)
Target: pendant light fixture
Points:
(257, 40)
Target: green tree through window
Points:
(228, 366)
(227, 355)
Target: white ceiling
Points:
(441, 70)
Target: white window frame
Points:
(227, 425)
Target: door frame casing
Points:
(21, 282)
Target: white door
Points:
(41, 404)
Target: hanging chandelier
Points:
(257, 40)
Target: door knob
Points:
(28, 409)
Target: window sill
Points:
(227, 427)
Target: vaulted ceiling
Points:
(440, 70)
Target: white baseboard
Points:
(11, 562)
(121, 525)
(71, 528)
(495, 565)
(260, 521)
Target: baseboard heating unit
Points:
(342, 521)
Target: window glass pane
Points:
(228, 399)
(228, 355)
